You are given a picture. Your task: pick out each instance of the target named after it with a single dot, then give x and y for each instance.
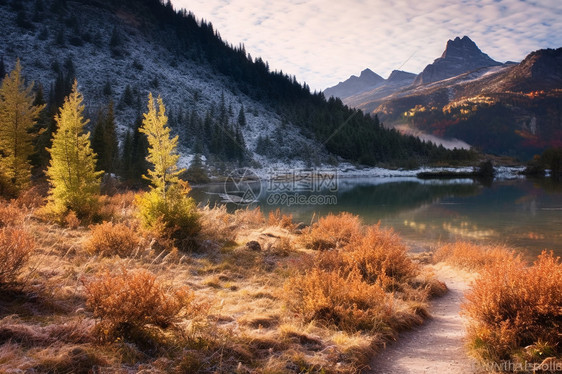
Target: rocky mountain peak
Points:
(461, 55)
(461, 48)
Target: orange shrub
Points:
(379, 256)
(117, 207)
(276, 218)
(10, 214)
(16, 246)
(108, 239)
(71, 220)
(472, 256)
(133, 300)
(514, 308)
(30, 198)
(333, 231)
(343, 300)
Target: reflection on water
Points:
(522, 213)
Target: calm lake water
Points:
(524, 214)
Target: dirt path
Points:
(437, 346)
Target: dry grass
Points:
(131, 300)
(472, 256)
(133, 312)
(333, 232)
(276, 218)
(16, 247)
(117, 207)
(108, 239)
(515, 310)
(218, 225)
(249, 218)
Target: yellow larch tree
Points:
(17, 117)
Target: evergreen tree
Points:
(107, 91)
(75, 183)
(127, 98)
(126, 157)
(104, 141)
(17, 117)
(42, 135)
(134, 163)
(196, 172)
(98, 140)
(241, 117)
(166, 201)
(2, 68)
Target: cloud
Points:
(324, 42)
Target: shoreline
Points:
(349, 172)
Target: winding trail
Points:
(438, 345)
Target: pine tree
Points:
(166, 201)
(75, 184)
(104, 141)
(2, 68)
(196, 172)
(17, 117)
(126, 157)
(139, 164)
(241, 117)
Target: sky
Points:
(324, 42)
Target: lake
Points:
(523, 214)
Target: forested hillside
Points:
(223, 103)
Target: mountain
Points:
(365, 81)
(221, 102)
(460, 56)
(510, 109)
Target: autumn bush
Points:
(10, 214)
(133, 300)
(472, 256)
(333, 231)
(117, 207)
(364, 282)
(276, 218)
(380, 255)
(16, 246)
(515, 310)
(342, 300)
(109, 239)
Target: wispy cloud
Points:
(323, 42)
